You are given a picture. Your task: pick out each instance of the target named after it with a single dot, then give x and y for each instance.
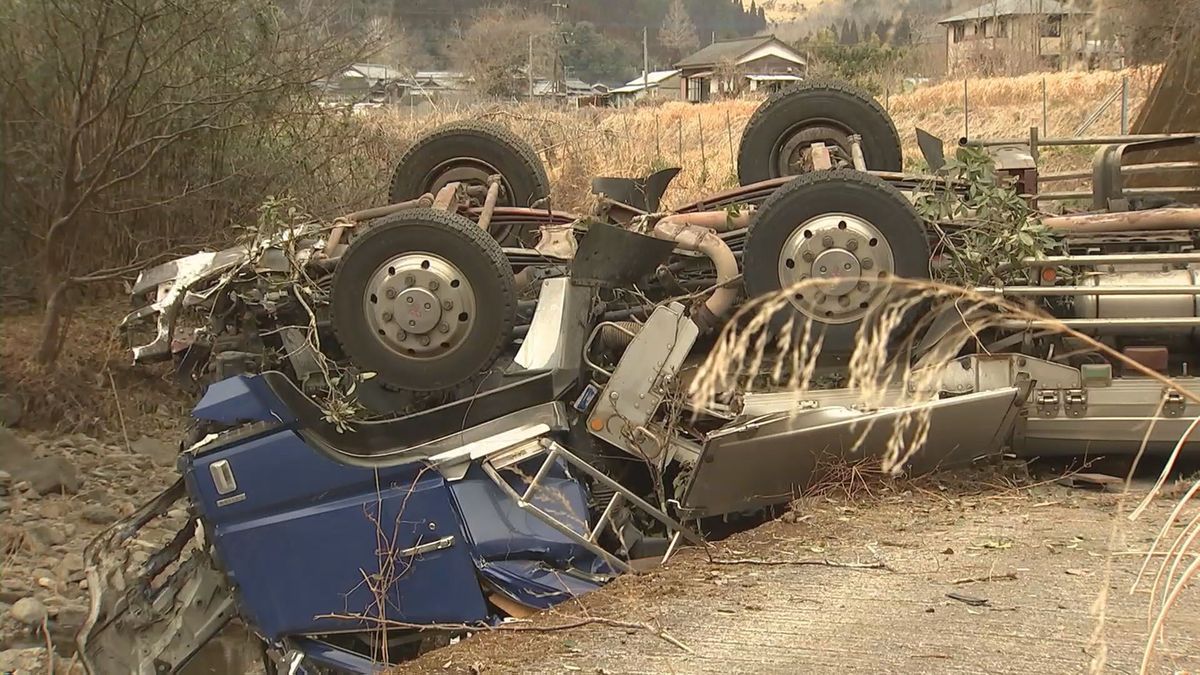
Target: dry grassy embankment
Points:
(576, 145)
(703, 139)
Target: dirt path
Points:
(1053, 549)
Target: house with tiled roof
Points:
(729, 67)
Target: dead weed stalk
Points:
(890, 367)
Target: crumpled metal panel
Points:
(500, 530)
(772, 459)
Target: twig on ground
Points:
(824, 562)
(1008, 576)
(120, 415)
(520, 625)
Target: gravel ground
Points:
(859, 583)
(1027, 566)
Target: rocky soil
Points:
(56, 494)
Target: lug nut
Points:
(410, 280)
(844, 301)
(402, 335)
(852, 245)
(864, 286)
(827, 241)
(446, 304)
(808, 256)
(433, 285)
(391, 294)
(424, 340)
(444, 328)
(387, 316)
(867, 263)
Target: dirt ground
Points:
(1028, 565)
(842, 583)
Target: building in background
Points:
(729, 67)
(659, 85)
(1006, 37)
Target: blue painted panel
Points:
(309, 528)
(501, 530)
(324, 655)
(240, 399)
(536, 584)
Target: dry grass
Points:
(703, 139)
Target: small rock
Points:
(49, 475)
(11, 410)
(28, 660)
(161, 453)
(46, 535)
(72, 616)
(71, 562)
(4, 507)
(14, 453)
(5, 478)
(100, 514)
(28, 611)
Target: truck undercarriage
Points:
(434, 416)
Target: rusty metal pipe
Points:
(704, 240)
(342, 223)
(424, 201)
(1152, 219)
(718, 221)
(489, 202)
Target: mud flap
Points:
(770, 460)
(152, 616)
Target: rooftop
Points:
(725, 50)
(1014, 8)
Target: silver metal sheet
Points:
(771, 460)
(1113, 419)
(639, 383)
(541, 348)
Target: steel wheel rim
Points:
(848, 254)
(419, 306)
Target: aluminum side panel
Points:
(770, 461)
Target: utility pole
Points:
(645, 61)
(559, 38)
(529, 68)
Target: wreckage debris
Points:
(467, 406)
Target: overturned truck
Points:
(427, 418)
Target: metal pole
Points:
(966, 112)
(1124, 104)
(530, 67)
(1045, 118)
(645, 63)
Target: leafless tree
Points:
(100, 97)
(678, 33)
(494, 50)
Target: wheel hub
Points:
(850, 258)
(469, 171)
(419, 305)
(795, 153)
